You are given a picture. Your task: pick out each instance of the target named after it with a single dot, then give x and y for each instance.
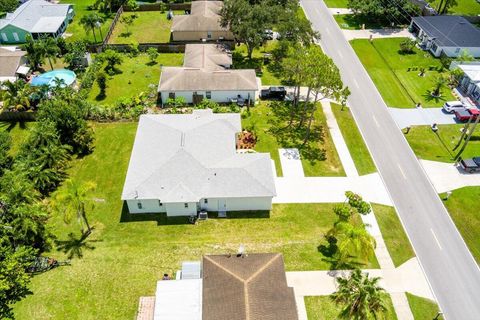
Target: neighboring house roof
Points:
(193, 79)
(252, 287)
(472, 70)
(37, 16)
(10, 61)
(207, 56)
(450, 31)
(204, 16)
(184, 158)
(179, 300)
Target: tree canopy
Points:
(397, 12)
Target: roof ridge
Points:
(224, 269)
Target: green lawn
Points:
(336, 3)
(266, 69)
(430, 146)
(264, 119)
(463, 7)
(352, 22)
(393, 234)
(150, 26)
(18, 132)
(126, 254)
(135, 77)
(464, 208)
(396, 75)
(422, 308)
(323, 308)
(77, 30)
(358, 150)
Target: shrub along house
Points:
(206, 74)
(35, 18)
(203, 23)
(447, 35)
(183, 163)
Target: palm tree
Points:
(360, 296)
(35, 52)
(16, 95)
(440, 82)
(51, 49)
(73, 199)
(89, 22)
(353, 240)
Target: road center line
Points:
(340, 54)
(375, 120)
(436, 239)
(401, 171)
(356, 83)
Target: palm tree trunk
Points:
(50, 61)
(85, 220)
(94, 35)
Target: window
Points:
(457, 50)
(160, 204)
(15, 36)
(171, 95)
(4, 37)
(209, 35)
(139, 205)
(186, 205)
(205, 201)
(208, 94)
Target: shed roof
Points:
(37, 16)
(204, 16)
(252, 287)
(450, 31)
(184, 158)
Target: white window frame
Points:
(209, 34)
(15, 36)
(4, 37)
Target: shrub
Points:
(407, 46)
(102, 81)
(152, 55)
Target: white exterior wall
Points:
(238, 204)
(217, 96)
(178, 209)
(451, 51)
(148, 206)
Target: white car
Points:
(452, 106)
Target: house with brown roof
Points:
(12, 64)
(203, 22)
(206, 74)
(233, 287)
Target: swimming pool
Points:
(48, 78)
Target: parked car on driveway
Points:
(463, 115)
(451, 106)
(273, 93)
(470, 165)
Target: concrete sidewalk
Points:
(376, 33)
(421, 116)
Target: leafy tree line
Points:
(8, 5)
(385, 12)
(60, 133)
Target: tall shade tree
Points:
(360, 297)
(72, 200)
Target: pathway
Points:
(421, 116)
(376, 33)
(447, 176)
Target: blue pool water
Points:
(48, 78)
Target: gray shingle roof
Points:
(10, 61)
(207, 56)
(184, 158)
(253, 287)
(450, 31)
(37, 16)
(204, 17)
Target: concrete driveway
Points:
(376, 33)
(291, 162)
(448, 176)
(421, 116)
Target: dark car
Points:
(470, 165)
(273, 93)
(464, 115)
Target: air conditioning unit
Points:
(203, 215)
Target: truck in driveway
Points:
(470, 165)
(463, 115)
(273, 93)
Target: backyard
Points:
(439, 147)
(396, 75)
(76, 30)
(148, 27)
(319, 156)
(126, 254)
(463, 7)
(354, 140)
(134, 76)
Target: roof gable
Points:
(450, 31)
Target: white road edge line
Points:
(327, 30)
(436, 239)
(401, 171)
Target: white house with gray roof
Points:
(181, 164)
(448, 35)
(36, 18)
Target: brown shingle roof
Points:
(9, 62)
(204, 17)
(207, 56)
(247, 288)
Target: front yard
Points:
(127, 254)
(430, 146)
(396, 75)
(319, 156)
(148, 27)
(336, 3)
(352, 22)
(463, 7)
(135, 75)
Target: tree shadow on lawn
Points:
(74, 246)
(9, 126)
(329, 250)
(242, 62)
(429, 97)
(293, 136)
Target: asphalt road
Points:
(448, 264)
